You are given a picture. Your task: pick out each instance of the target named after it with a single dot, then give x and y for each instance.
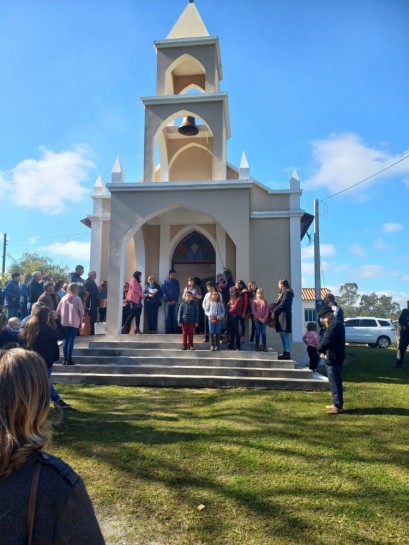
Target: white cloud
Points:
(370, 271)
(50, 183)
(326, 250)
(380, 244)
(357, 250)
(343, 160)
(79, 251)
(405, 277)
(391, 227)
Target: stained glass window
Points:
(194, 248)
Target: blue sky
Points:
(318, 86)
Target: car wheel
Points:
(383, 342)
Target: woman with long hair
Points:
(134, 298)
(38, 335)
(71, 313)
(283, 316)
(42, 500)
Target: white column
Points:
(220, 249)
(164, 245)
(295, 268)
(96, 241)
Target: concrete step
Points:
(200, 359)
(190, 381)
(143, 369)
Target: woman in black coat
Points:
(283, 316)
(39, 336)
(153, 295)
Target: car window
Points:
(368, 323)
(352, 323)
(384, 323)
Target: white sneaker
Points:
(212, 348)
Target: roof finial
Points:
(191, 1)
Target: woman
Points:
(260, 310)
(153, 294)
(282, 313)
(241, 286)
(102, 301)
(62, 510)
(71, 313)
(134, 298)
(40, 336)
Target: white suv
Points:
(371, 331)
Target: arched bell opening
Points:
(185, 71)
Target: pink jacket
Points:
(259, 309)
(311, 338)
(71, 311)
(135, 293)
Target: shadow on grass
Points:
(396, 411)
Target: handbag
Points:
(32, 502)
(271, 321)
(135, 305)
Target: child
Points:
(214, 310)
(188, 319)
(251, 286)
(312, 340)
(14, 327)
(234, 311)
(260, 311)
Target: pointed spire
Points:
(295, 180)
(189, 24)
(117, 174)
(244, 169)
(99, 186)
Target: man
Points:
(12, 296)
(34, 290)
(329, 301)
(171, 293)
(45, 298)
(404, 335)
(75, 278)
(332, 350)
(91, 299)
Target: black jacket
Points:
(156, 299)
(188, 313)
(46, 343)
(333, 343)
(283, 312)
(8, 340)
(63, 509)
(34, 290)
(12, 294)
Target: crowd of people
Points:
(42, 314)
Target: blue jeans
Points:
(261, 328)
(53, 393)
(285, 340)
(70, 334)
(215, 328)
(171, 318)
(335, 383)
(12, 312)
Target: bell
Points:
(188, 126)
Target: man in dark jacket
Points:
(332, 350)
(12, 296)
(75, 278)
(34, 290)
(404, 335)
(171, 293)
(91, 299)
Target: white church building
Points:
(192, 210)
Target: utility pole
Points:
(317, 259)
(3, 268)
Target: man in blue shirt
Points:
(171, 293)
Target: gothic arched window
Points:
(194, 248)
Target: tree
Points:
(382, 307)
(348, 299)
(31, 262)
(355, 304)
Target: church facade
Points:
(192, 210)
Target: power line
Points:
(368, 178)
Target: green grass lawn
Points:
(270, 467)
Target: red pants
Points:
(187, 334)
